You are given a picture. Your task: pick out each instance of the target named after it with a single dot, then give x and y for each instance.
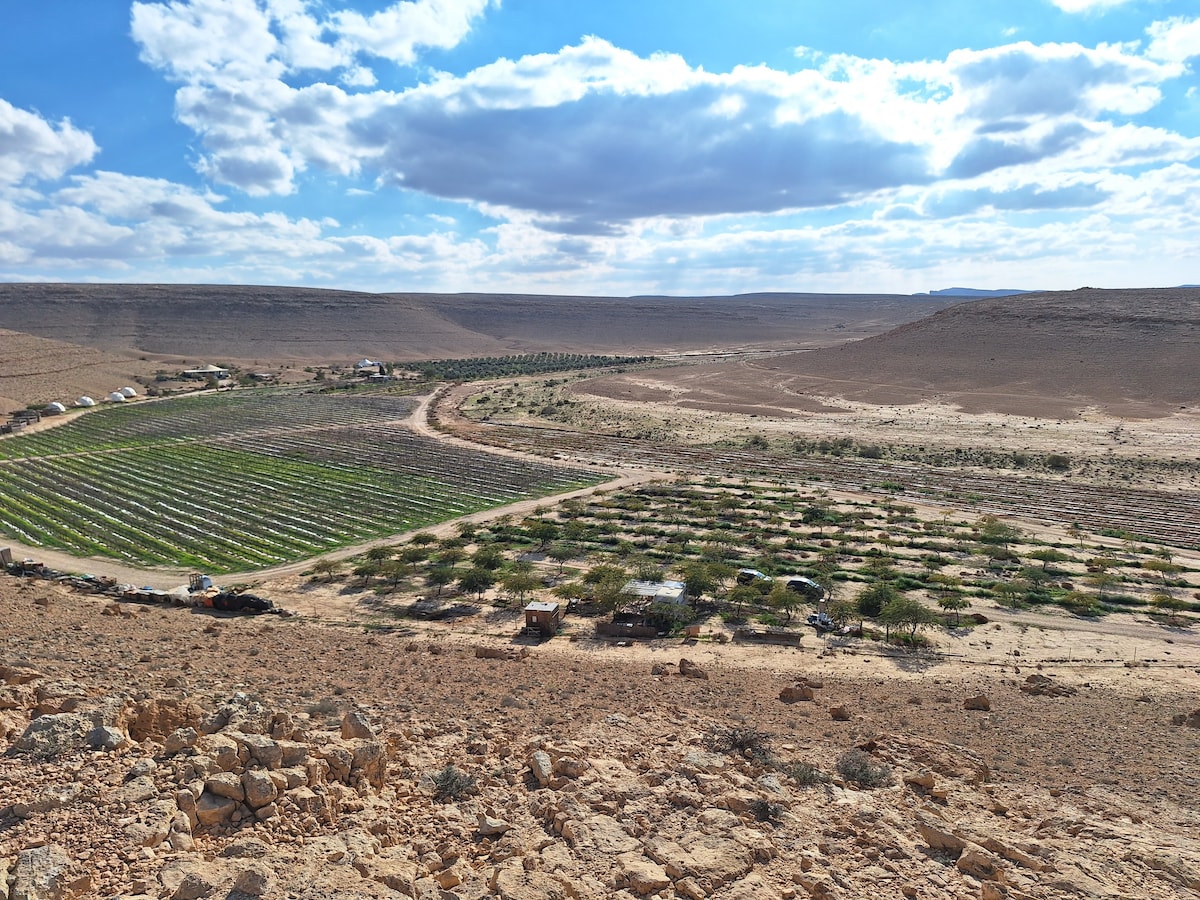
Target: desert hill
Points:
(38, 370)
(249, 323)
(1133, 353)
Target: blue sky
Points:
(602, 146)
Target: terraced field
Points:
(243, 480)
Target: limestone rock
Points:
(181, 739)
(225, 784)
(254, 880)
(938, 835)
(355, 725)
(979, 863)
(213, 809)
(541, 766)
(259, 789)
(193, 887)
(641, 875)
(978, 702)
(47, 873)
(48, 737)
(105, 737)
(489, 825)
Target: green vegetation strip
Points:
(239, 481)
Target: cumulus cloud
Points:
(31, 147)
(1174, 40)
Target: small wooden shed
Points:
(544, 615)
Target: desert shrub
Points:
(452, 783)
(860, 768)
(1058, 462)
(766, 811)
(740, 739)
(805, 774)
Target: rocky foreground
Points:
(163, 753)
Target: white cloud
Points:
(1174, 40)
(1084, 6)
(396, 32)
(31, 147)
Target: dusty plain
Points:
(185, 754)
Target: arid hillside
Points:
(39, 370)
(1129, 353)
(248, 323)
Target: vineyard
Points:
(243, 480)
(478, 368)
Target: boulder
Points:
(839, 713)
(689, 669)
(47, 873)
(541, 766)
(259, 789)
(225, 784)
(641, 875)
(979, 863)
(356, 726)
(796, 692)
(212, 809)
(253, 880)
(106, 738)
(978, 702)
(48, 737)
(1044, 686)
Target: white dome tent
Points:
(85, 401)
(129, 392)
(116, 397)
(55, 409)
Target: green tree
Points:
(1102, 581)
(490, 558)
(560, 552)
(741, 595)
(873, 598)
(394, 570)
(1172, 606)
(784, 600)
(519, 584)
(953, 601)
(1047, 555)
(1009, 593)
(367, 570)
(476, 580)
(905, 612)
(1164, 569)
(438, 577)
(379, 554)
(699, 581)
(326, 567)
(541, 531)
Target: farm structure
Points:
(242, 480)
(204, 373)
(544, 616)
